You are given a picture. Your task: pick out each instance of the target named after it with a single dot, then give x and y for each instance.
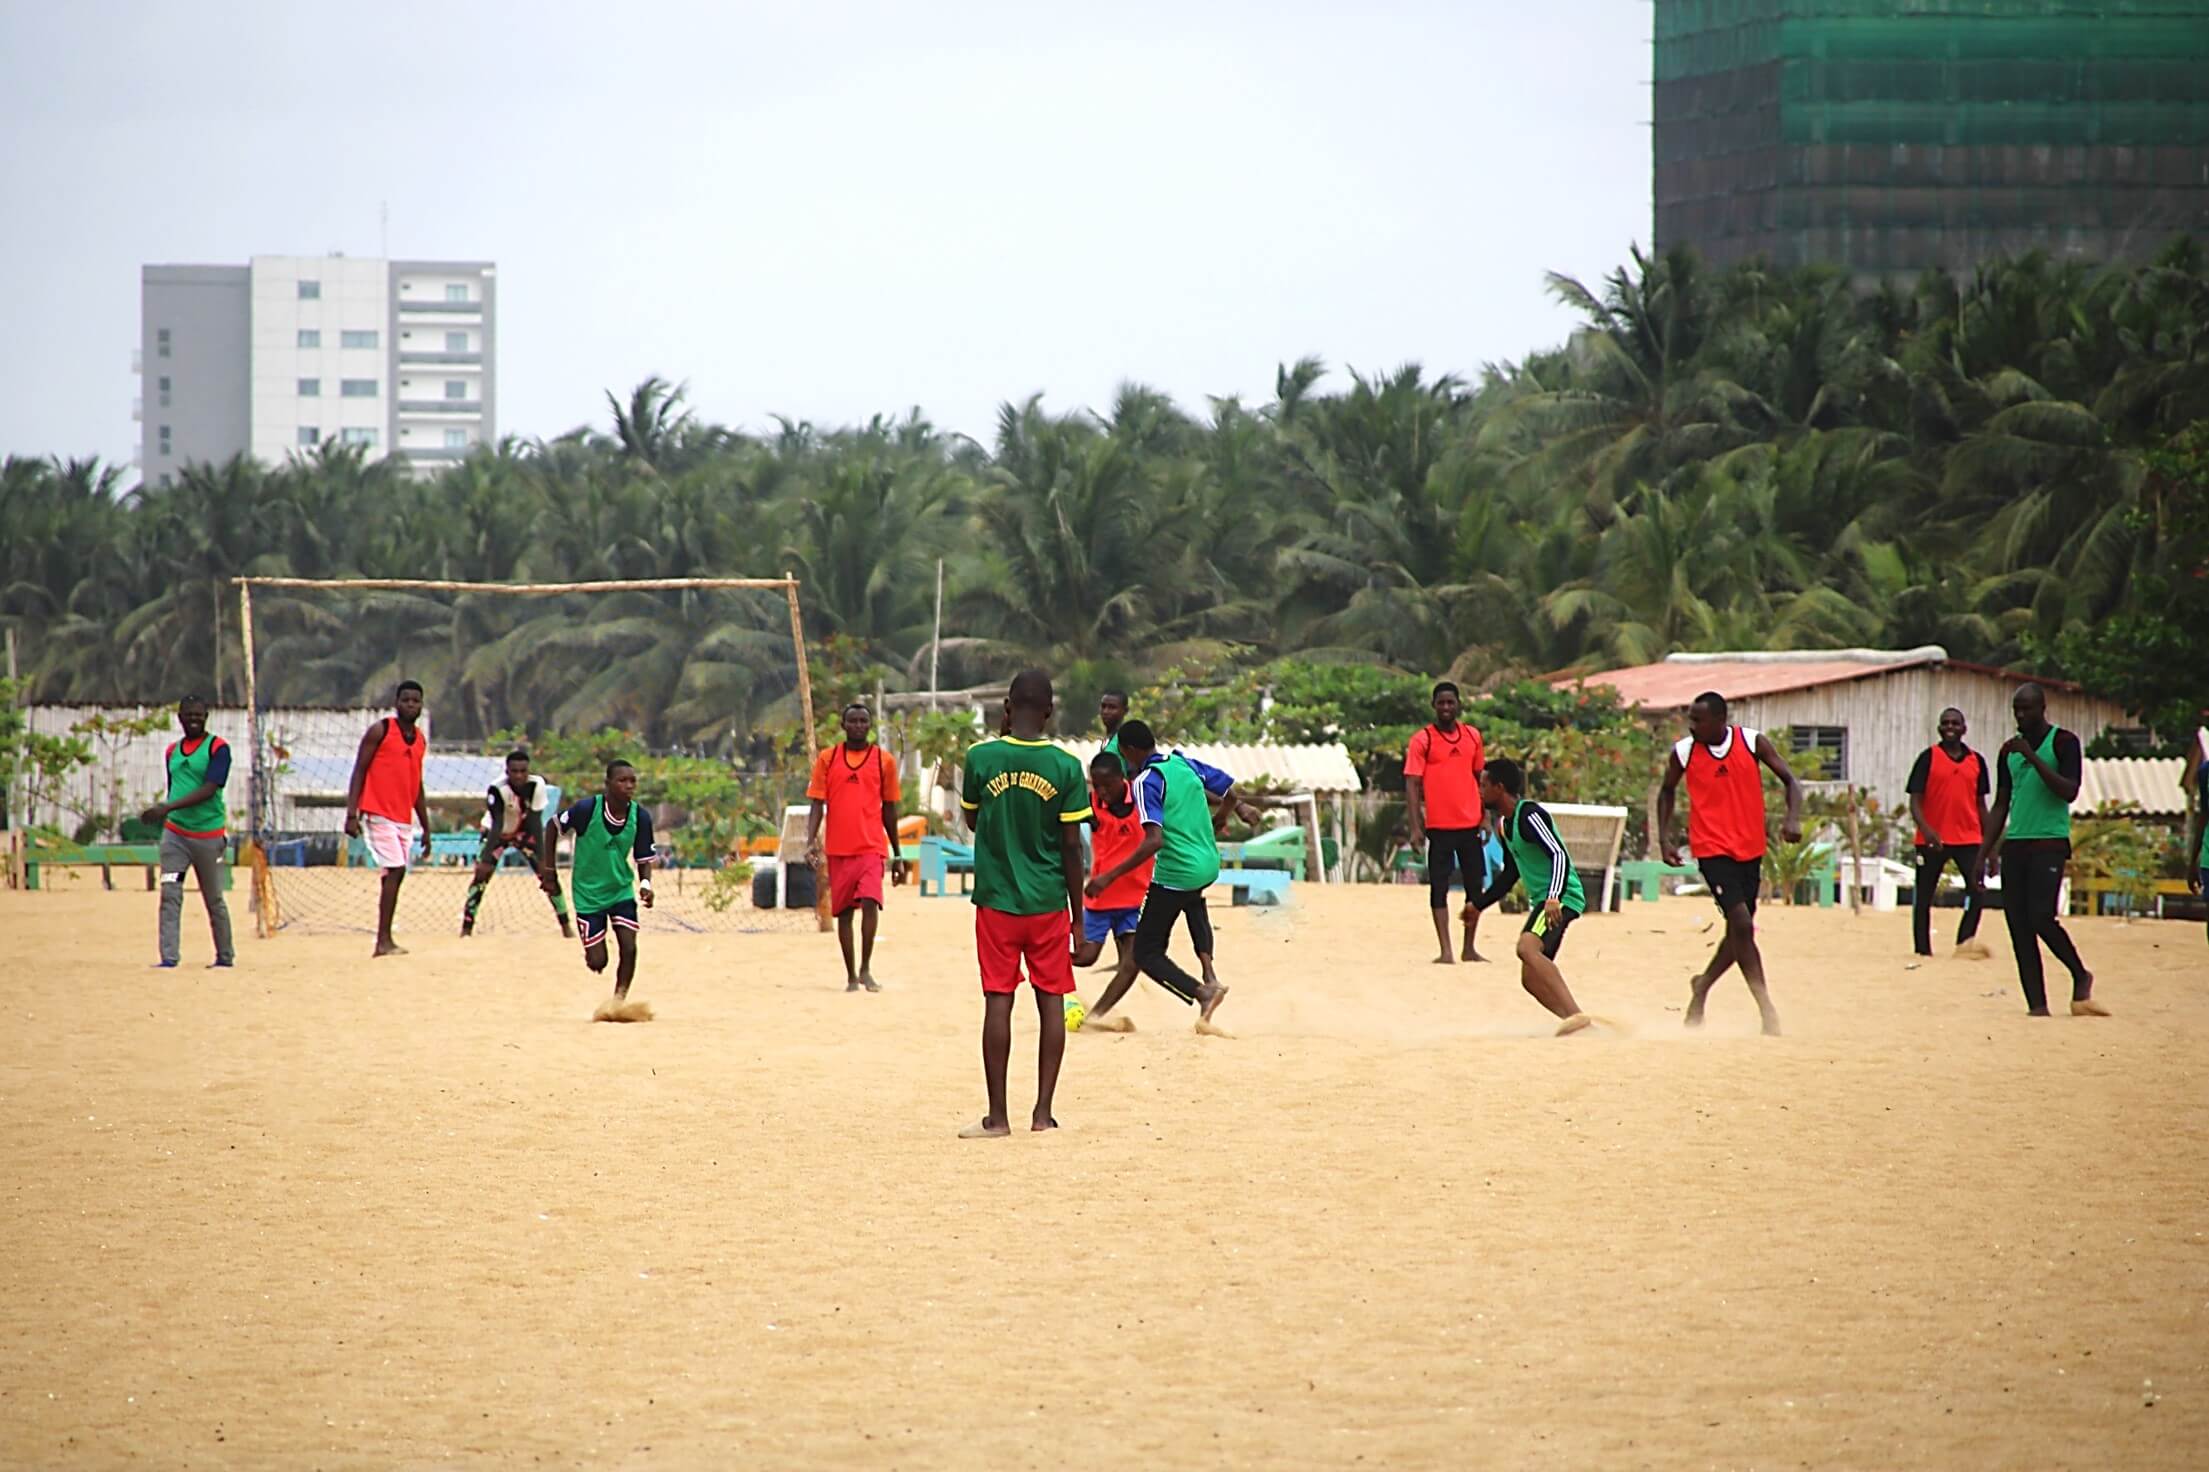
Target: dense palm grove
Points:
(1733, 460)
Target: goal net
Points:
(701, 684)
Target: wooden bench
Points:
(107, 857)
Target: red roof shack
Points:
(1869, 711)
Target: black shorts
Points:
(498, 845)
(1733, 881)
(1551, 936)
(1449, 851)
(591, 925)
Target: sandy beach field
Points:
(321, 1211)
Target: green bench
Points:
(107, 857)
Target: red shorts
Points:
(1046, 941)
(852, 878)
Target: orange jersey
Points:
(1113, 837)
(394, 777)
(1448, 768)
(854, 791)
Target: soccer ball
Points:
(1075, 1012)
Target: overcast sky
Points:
(826, 211)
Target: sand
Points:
(324, 1211)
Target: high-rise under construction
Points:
(1888, 136)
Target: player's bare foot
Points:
(1445, 959)
(1211, 1030)
(1697, 990)
(1578, 1022)
(1107, 1023)
(1473, 955)
(851, 983)
(868, 982)
(390, 948)
(1208, 1001)
(2087, 1007)
(1044, 1122)
(983, 1129)
(1771, 1024)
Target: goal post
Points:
(268, 909)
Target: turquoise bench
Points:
(1256, 886)
(106, 857)
(1644, 878)
(940, 858)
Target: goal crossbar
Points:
(245, 585)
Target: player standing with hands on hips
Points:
(1725, 830)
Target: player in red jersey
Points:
(1725, 829)
(1442, 800)
(385, 798)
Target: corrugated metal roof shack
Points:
(1869, 712)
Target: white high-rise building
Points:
(278, 356)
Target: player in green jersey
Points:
(1024, 799)
(613, 870)
(1533, 855)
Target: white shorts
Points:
(389, 844)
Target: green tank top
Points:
(603, 876)
(1533, 859)
(187, 770)
(1190, 858)
(2035, 812)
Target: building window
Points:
(310, 388)
(161, 343)
(309, 435)
(455, 388)
(456, 342)
(1824, 750)
(456, 439)
(310, 291)
(455, 292)
(358, 437)
(356, 388)
(310, 337)
(164, 386)
(356, 339)
(164, 439)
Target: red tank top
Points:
(1951, 797)
(1725, 799)
(1114, 838)
(395, 773)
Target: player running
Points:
(1442, 802)
(1725, 829)
(513, 822)
(1948, 800)
(1533, 855)
(1024, 801)
(1113, 909)
(854, 788)
(613, 872)
(385, 799)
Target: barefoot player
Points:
(1115, 908)
(1533, 855)
(1948, 800)
(513, 821)
(854, 788)
(1025, 801)
(1175, 796)
(2036, 778)
(1442, 800)
(385, 805)
(613, 870)
(1725, 830)
(2197, 841)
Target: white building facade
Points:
(287, 353)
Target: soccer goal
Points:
(701, 683)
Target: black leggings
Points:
(2032, 878)
(1933, 859)
(1155, 927)
(1452, 849)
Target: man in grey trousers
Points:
(193, 822)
